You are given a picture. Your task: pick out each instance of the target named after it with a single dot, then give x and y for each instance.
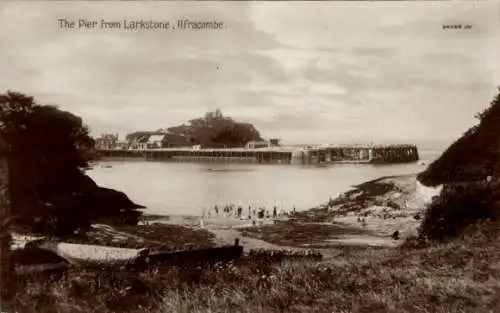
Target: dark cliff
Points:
(468, 171)
(473, 157)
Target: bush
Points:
(47, 152)
(459, 207)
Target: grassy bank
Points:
(462, 276)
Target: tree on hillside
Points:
(5, 239)
(214, 130)
(211, 131)
(47, 151)
(139, 136)
(469, 171)
(4, 182)
(226, 138)
(236, 135)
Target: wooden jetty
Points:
(273, 155)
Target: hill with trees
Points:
(47, 151)
(214, 130)
(469, 172)
(474, 156)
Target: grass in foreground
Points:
(462, 276)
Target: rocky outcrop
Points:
(89, 203)
(112, 206)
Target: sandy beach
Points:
(365, 216)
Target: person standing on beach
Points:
(202, 218)
(275, 212)
(261, 213)
(240, 211)
(216, 208)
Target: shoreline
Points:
(365, 216)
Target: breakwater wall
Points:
(273, 155)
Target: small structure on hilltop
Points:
(214, 115)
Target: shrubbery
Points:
(459, 207)
(469, 171)
(47, 152)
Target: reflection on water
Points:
(188, 188)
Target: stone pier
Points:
(274, 155)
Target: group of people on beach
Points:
(252, 213)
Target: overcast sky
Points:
(305, 72)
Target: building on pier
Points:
(273, 142)
(155, 141)
(257, 144)
(106, 141)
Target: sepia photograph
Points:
(250, 156)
